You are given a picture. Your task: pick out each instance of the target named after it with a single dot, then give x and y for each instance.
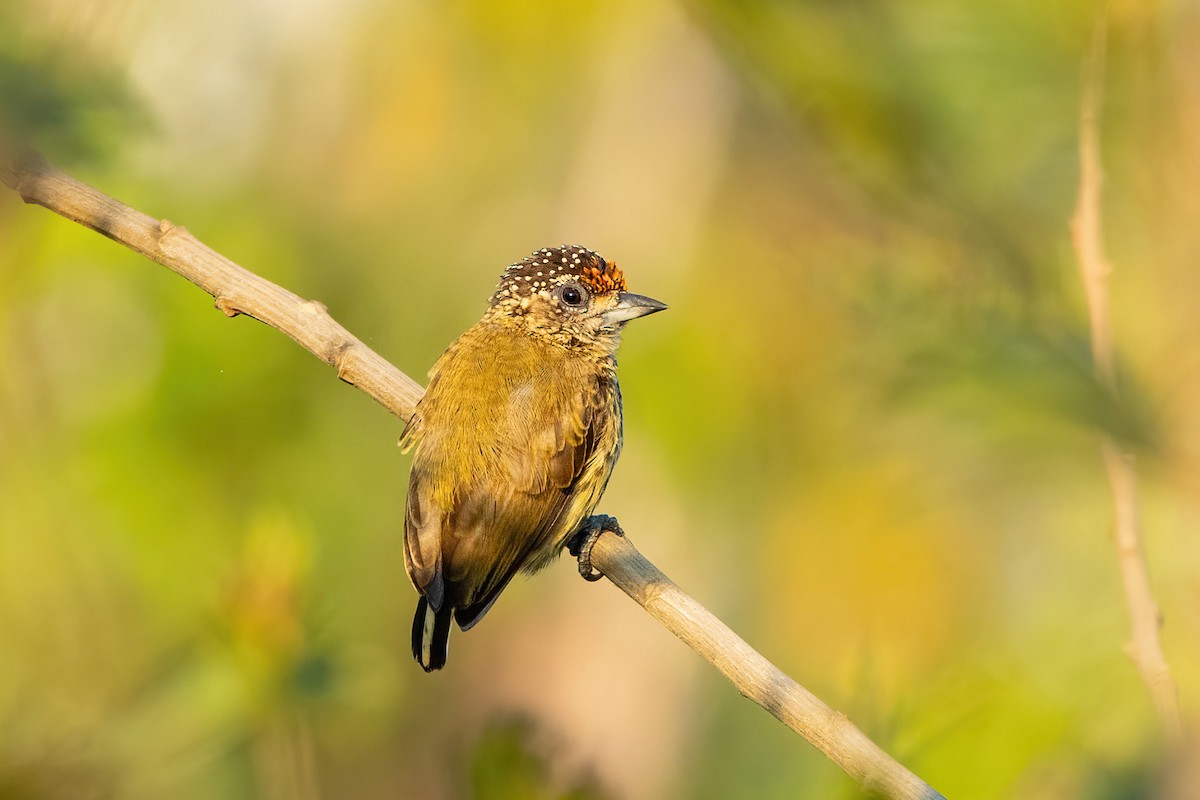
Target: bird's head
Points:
(570, 295)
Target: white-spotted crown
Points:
(550, 267)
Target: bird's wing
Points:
(423, 540)
(550, 487)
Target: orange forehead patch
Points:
(603, 277)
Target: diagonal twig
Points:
(238, 291)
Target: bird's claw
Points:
(581, 544)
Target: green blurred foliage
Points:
(865, 435)
(55, 97)
(506, 765)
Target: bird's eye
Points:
(572, 295)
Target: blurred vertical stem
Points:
(1144, 647)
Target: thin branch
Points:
(1087, 231)
(753, 675)
(238, 291)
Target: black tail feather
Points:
(431, 635)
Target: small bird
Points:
(515, 439)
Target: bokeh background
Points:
(865, 434)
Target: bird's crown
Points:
(552, 266)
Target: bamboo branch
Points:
(1087, 232)
(238, 291)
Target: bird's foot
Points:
(580, 545)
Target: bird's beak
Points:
(631, 306)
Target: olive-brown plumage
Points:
(515, 437)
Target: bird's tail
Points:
(431, 634)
